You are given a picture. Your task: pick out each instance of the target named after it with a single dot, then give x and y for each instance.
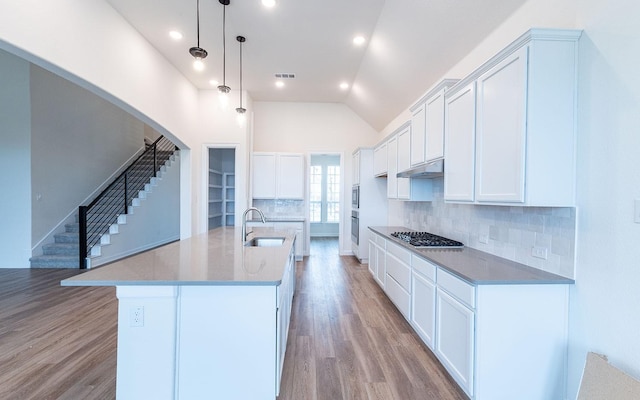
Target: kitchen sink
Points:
(265, 242)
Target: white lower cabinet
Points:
(373, 257)
(455, 339)
(398, 280)
(283, 315)
(498, 341)
(423, 308)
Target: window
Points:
(324, 193)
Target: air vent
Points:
(285, 76)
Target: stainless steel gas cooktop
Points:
(427, 240)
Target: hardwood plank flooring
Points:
(346, 340)
(56, 342)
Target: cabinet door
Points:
(418, 133)
(404, 163)
(356, 169)
(381, 257)
(290, 179)
(380, 160)
(392, 168)
(434, 122)
(455, 326)
(372, 258)
(423, 308)
(264, 176)
(460, 145)
(501, 130)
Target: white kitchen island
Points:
(204, 317)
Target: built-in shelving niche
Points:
(221, 201)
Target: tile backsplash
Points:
(510, 232)
(280, 208)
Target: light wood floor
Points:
(346, 341)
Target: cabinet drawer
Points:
(424, 267)
(456, 287)
(399, 271)
(400, 253)
(398, 295)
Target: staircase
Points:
(63, 253)
(107, 212)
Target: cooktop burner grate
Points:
(426, 239)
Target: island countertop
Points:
(217, 257)
(475, 266)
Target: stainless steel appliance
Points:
(355, 227)
(427, 240)
(355, 196)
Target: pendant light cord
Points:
(241, 74)
(198, 21)
(224, 46)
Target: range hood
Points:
(433, 169)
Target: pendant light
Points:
(241, 110)
(224, 89)
(198, 52)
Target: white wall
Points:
(604, 303)
(90, 44)
(78, 140)
(15, 162)
(314, 127)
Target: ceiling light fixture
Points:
(269, 3)
(198, 52)
(344, 86)
(175, 35)
(224, 89)
(241, 110)
(359, 40)
(279, 84)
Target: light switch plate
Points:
(539, 252)
(636, 211)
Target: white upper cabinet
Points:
(278, 176)
(418, 135)
(355, 179)
(404, 150)
(264, 176)
(427, 125)
(460, 144)
(434, 113)
(500, 131)
(380, 156)
(392, 168)
(525, 125)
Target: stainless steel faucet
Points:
(244, 221)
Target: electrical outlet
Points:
(484, 239)
(539, 252)
(136, 316)
(636, 211)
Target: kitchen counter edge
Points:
(475, 266)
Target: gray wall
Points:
(15, 162)
(78, 141)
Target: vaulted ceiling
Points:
(410, 45)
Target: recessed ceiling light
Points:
(344, 86)
(214, 82)
(269, 3)
(359, 40)
(175, 35)
(279, 84)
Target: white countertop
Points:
(213, 258)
